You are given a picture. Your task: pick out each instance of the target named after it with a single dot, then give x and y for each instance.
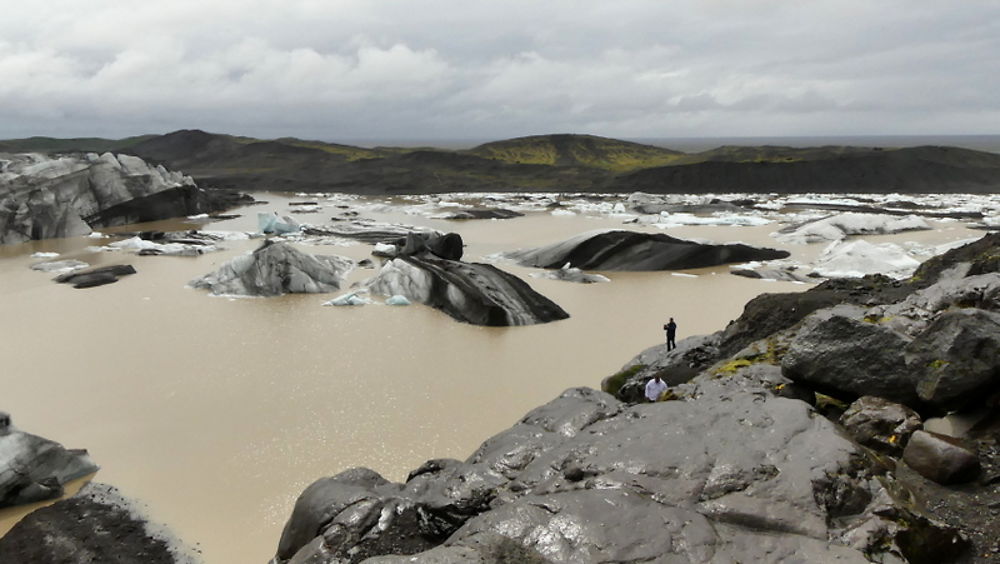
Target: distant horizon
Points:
(975, 141)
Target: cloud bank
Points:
(395, 69)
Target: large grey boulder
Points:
(731, 474)
(33, 468)
(836, 351)
(634, 251)
(97, 524)
(43, 197)
(480, 294)
(275, 269)
(958, 356)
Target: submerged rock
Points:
(627, 250)
(275, 269)
(35, 469)
(480, 294)
(95, 525)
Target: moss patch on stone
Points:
(615, 382)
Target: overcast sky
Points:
(469, 69)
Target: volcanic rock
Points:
(627, 250)
(95, 525)
(98, 276)
(880, 424)
(940, 458)
(275, 269)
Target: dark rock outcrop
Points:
(35, 469)
(628, 250)
(586, 478)
(275, 269)
(43, 197)
(97, 276)
(95, 525)
(940, 458)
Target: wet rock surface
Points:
(275, 269)
(633, 251)
(33, 468)
(734, 463)
(95, 525)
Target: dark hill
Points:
(577, 150)
(553, 163)
(910, 170)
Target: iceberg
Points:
(397, 300)
(837, 227)
(350, 299)
(44, 255)
(271, 223)
(854, 259)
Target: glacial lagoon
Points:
(216, 412)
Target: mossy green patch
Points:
(615, 382)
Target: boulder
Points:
(632, 251)
(586, 478)
(839, 353)
(98, 276)
(275, 269)
(959, 354)
(880, 424)
(98, 524)
(475, 293)
(941, 458)
(33, 468)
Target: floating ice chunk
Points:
(143, 246)
(59, 266)
(271, 223)
(397, 300)
(349, 299)
(836, 227)
(854, 259)
(384, 250)
(96, 235)
(570, 274)
(683, 275)
(198, 216)
(562, 212)
(227, 235)
(41, 254)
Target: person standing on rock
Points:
(671, 329)
(655, 388)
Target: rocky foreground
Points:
(756, 454)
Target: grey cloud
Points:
(442, 68)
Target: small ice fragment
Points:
(397, 300)
(41, 254)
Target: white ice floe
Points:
(349, 299)
(667, 219)
(227, 235)
(562, 212)
(40, 255)
(854, 259)
(384, 250)
(60, 266)
(198, 216)
(96, 235)
(570, 274)
(683, 275)
(837, 227)
(397, 300)
(136, 244)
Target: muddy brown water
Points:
(215, 413)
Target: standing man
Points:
(655, 387)
(671, 329)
